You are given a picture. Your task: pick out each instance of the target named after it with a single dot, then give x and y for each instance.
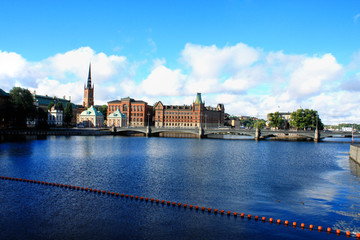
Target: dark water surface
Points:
(303, 182)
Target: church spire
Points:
(89, 77)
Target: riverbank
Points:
(57, 131)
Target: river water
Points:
(302, 182)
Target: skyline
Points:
(255, 57)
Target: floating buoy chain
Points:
(196, 207)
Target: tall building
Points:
(88, 92)
(138, 113)
(189, 116)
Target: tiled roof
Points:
(3, 93)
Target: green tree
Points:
(103, 110)
(50, 105)
(305, 118)
(60, 106)
(259, 123)
(68, 113)
(22, 105)
(275, 120)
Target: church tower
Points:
(88, 92)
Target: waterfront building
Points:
(189, 116)
(91, 117)
(116, 119)
(283, 115)
(138, 113)
(55, 116)
(4, 102)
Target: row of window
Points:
(125, 108)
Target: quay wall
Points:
(355, 152)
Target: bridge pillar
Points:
(201, 132)
(316, 135)
(257, 134)
(148, 131)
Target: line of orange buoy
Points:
(163, 202)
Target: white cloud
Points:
(356, 17)
(311, 76)
(163, 82)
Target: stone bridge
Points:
(256, 133)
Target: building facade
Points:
(88, 92)
(138, 113)
(55, 116)
(189, 116)
(91, 117)
(116, 119)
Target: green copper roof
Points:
(198, 99)
(117, 114)
(45, 100)
(3, 93)
(91, 111)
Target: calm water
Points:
(305, 182)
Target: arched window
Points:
(124, 107)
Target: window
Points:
(125, 107)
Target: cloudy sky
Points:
(253, 56)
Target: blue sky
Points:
(254, 56)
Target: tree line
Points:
(299, 119)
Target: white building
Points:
(91, 117)
(116, 119)
(55, 116)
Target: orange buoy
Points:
(270, 220)
(147, 199)
(328, 229)
(122, 195)
(278, 221)
(203, 208)
(132, 196)
(141, 198)
(215, 210)
(112, 193)
(82, 188)
(191, 206)
(286, 222)
(185, 205)
(168, 202)
(117, 194)
(319, 228)
(263, 219)
(358, 235)
(174, 203)
(348, 233)
(338, 231)
(101, 191)
(222, 211)
(152, 200)
(78, 188)
(235, 214)
(162, 201)
(127, 195)
(209, 209)
(249, 216)
(228, 213)
(73, 187)
(197, 207)
(256, 218)
(242, 215)
(108, 192)
(157, 200)
(136, 197)
(294, 224)
(302, 225)
(179, 204)
(311, 227)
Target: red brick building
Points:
(189, 116)
(138, 113)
